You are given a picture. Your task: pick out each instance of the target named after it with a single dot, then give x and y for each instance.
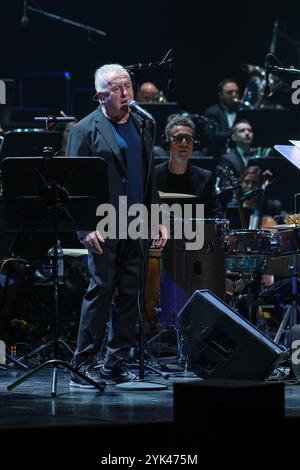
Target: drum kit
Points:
(243, 256)
(174, 273)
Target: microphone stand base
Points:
(140, 385)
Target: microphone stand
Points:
(135, 69)
(140, 384)
(276, 68)
(89, 30)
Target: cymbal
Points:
(286, 226)
(75, 252)
(164, 195)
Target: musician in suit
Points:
(148, 93)
(221, 117)
(113, 132)
(242, 138)
(178, 175)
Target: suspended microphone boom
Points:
(24, 19)
(267, 88)
(274, 37)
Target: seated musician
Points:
(178, 175)
(259, 211)
(238, 158)
(197, 269)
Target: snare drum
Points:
(250, 242)
(183, 270)
(244, 264)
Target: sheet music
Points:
(296, 143)
(291, 153)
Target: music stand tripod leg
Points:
(42, 348)
(36, 351)
(55, 363)
(15, 361)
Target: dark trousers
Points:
(116, 271)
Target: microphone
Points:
(133, 68)
(267, 88)
(274, 37)
(141, 111)
(24, 19)
(250, 193)
(229, 188)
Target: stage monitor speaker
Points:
(219, 343)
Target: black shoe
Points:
(117, 375)
(87, 369)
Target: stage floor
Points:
(28, 413)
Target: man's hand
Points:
(92, 242)
(163, 237)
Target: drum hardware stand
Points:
(46, 174)
(292, 314)
(252, 293)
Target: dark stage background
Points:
(210, 42)
(214, 42)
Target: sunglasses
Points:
(179, 138)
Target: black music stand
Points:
(29, 142)
(57, 195)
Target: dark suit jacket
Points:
(201, 184)
(216, 130)
(93, 136)
(234, 161)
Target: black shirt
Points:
(177, 183)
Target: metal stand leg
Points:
(54, 382)
(290, 319)
(15, 361)
(55, 363)
(182, 357)
(42, 348)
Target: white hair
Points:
(102, 73)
